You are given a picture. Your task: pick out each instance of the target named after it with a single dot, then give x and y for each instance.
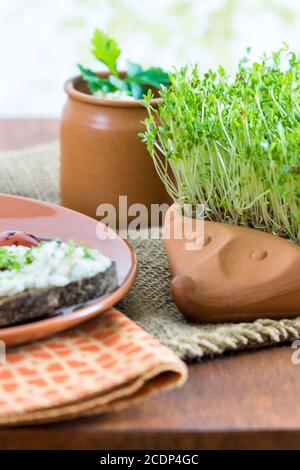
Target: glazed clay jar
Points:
(102, 156)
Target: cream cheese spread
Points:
(50, 264)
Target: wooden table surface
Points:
(245, 400)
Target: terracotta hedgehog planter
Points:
(233, 273)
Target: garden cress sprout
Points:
(233, 143)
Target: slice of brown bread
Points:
(34, 303)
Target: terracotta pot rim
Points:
(71, 91)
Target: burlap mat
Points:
(35, 173)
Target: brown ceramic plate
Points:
(51, 221)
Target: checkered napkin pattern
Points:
(103, 365)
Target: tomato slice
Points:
(13, 237)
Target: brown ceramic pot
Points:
(223, 272)
(102, 156)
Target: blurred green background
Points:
(41, 41)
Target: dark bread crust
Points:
(35, 303)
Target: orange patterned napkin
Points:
(103, 365)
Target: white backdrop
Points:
(41, 41)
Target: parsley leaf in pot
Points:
(137, 80)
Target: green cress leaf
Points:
(94, 82)
(233, 143)
(28, 257)
(106, 50)
(8, 260)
